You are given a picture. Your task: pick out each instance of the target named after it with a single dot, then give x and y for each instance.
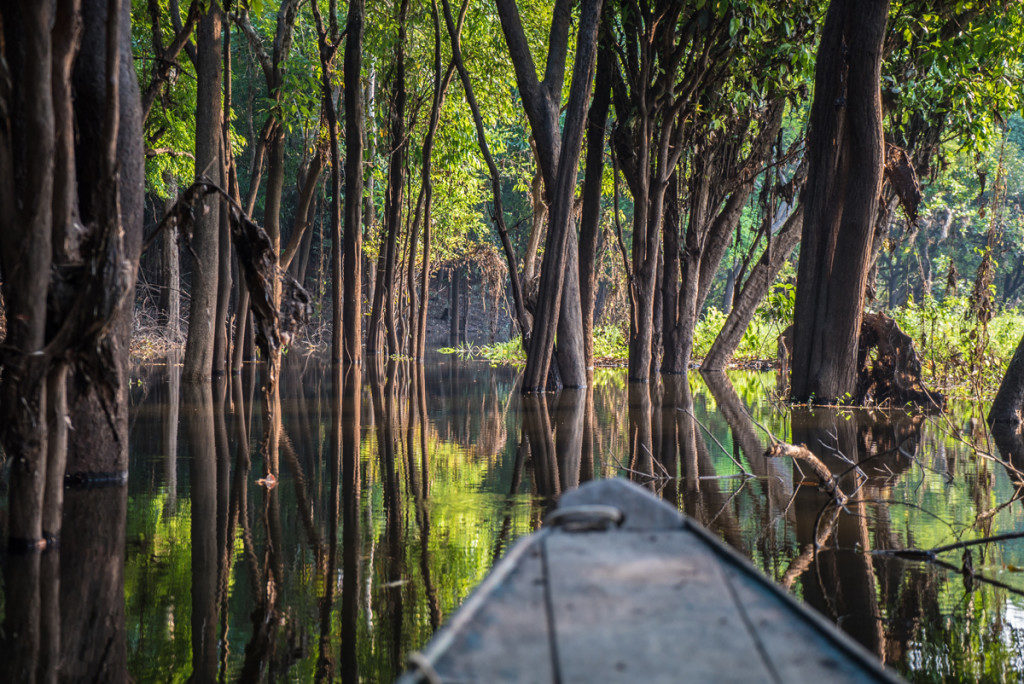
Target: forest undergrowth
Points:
(961, 356)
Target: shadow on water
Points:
(327, 529)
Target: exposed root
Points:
(889, 369)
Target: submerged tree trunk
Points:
(590, 220)
(98, 446)
(27, 147)
(170, 295)
(382, 314)
(206, 237)
(352, 288)
(845, 157)
(558, 307)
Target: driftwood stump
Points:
(889, 367)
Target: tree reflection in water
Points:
(395, 488)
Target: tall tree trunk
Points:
(352, 294)
(382, 311)
(396, 180)
(221, 362)
(99, 444)
(170, 295)
(426, 196)
(845, 155)
(328, 45)
(27, 146)
(206, 234)
(593, 177)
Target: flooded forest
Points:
(311, 310)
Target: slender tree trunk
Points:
(354, 123)
(171, 268)
(590, 221)
(538, 217)
(206, 234)
(426, 197)
(845, 155)
(328, 44)
(221, 336)
(396, 182)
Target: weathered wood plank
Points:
(796, 651)
(650, 606)
(500, 633)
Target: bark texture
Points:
(845, 165)
(206, 238)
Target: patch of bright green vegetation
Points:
(959, 355)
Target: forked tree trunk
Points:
(845, 156)
(558, 307)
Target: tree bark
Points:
(109, 137)
(352, 290)
(590, 220)
(558, 153)
(206, 234)
(845, 156)
(382, 312)
(27, 147)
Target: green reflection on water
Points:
(431, 522)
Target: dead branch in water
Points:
(930, 554)
(801, 454)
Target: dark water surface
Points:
(379, 524)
